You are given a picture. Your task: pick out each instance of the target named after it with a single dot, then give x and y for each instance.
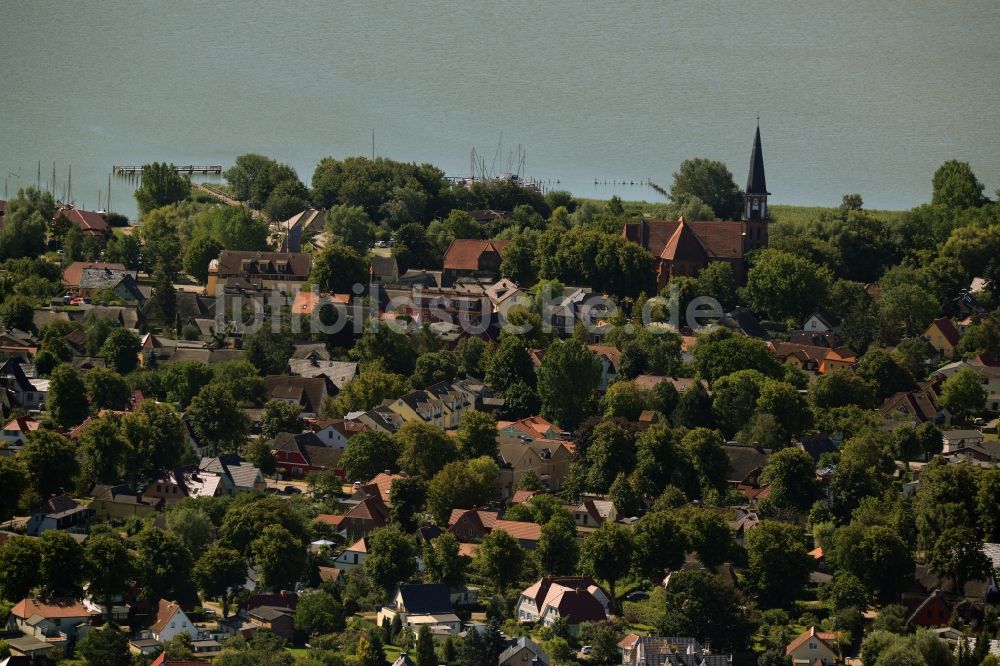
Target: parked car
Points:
(637, 595)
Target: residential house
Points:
(91, 223)
(829, 339)
(381, 484)
(668, 651)
(470, 525)
(308, 393)
(173, 485)
(309, 222)
(462, 304)
(917, 406)
(384, 270)
(815, 359)
(169, 621)
(419, 605)
(549, 459)
(24, 387)
(238, 476)
(932, 610)
(593, 512)
(989, 376)
(812, 646)
(404, 660)
(360, 520)
(742, 321)
(338, 372)
(468, 257)
(120, 283)
(523, 651)
(821, 322)
(943, 337)
(958, 439)
(18, 344)
(16, 431)
(533, 427)
(277, 619)
(55, 620)
(746, 464)
(59, 513)
(380, 418)
(299, 454)
(352, 556)
(122, 503)
(506, 295)
(262, 270)
(609, 357)
(573, 599)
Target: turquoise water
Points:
(865, 96)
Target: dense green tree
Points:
(61, 566)
(607, 554)
(391, 558)
(107, 389)
(105, 647)
(425, 449)
(121, 351)
(700, 605)
(338, 268)
(161, 185)
(253, 177)
(442, 561)
(694, 409)
(66, 400)
(717, 281)
(184, 379)
(846, 591)
(458, 486)
(268, 350)
(721, 352)
(162, 563)
(710, 182)
(956, 186)
(660, 545)
(19, 570)
(242, 378)
(217, 420)
(434, 367)
(381, 345)
(963, 393)
(319, 613)
(199, 253)
(280, 416)
(107, 568)
(367, 390)
(425, 648)
(17, 312)
(904, 310)
(409, 495)
(609, 452)
(13, 482)
(885, 374)
(499, 559)
(279, 557)
(245, 520)
(784, 286)
(155, 436)
(50, 460)
(558, 547)
(218, 572)
(369, 651)
(477, 435)
(958, 555)
(368, 453)
(791, 475)
(351, 226)
(102, 452)
(708, 535)
(874, 554)
(840, 387)
(779, 564)
(193, 525)
(734, 399)
(703, 447)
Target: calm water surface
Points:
(864, 96)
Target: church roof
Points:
(683, 244)
(756, 183)
(718, 239)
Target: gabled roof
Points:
(89, 222)
(338, 372)
(307, 391)
(717, 239)
(947, 328)
(463, 254)
(572, 596)
(73, 272)
(744, 460)
(523, 643)
(165, 610)
(425, 599)
(828, 639)
(684, 245)
(50, 608)
(264, 264)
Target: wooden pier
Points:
(180, 168)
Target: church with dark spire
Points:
(684, 247)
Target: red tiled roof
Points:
(163, 661)
(828, 639)
(947, 329)
(90, 222)
(463, 254)
(717, 239)
(55, 607)
(164, 611)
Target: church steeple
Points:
(755, 199)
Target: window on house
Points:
(813, 646)
(355, 558)
(173, 625)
